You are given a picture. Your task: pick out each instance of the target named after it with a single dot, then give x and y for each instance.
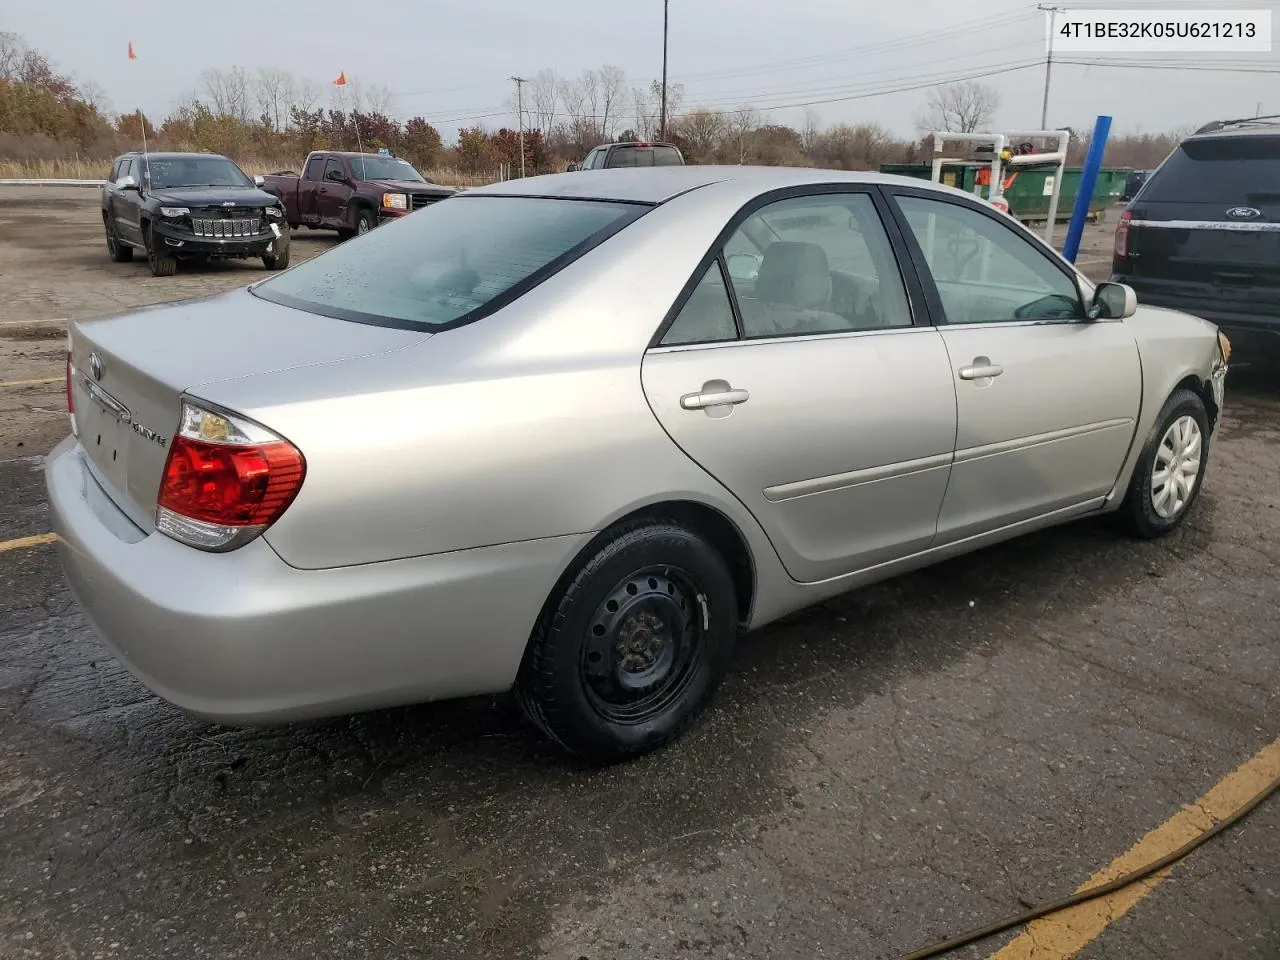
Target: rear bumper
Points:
(242, 637)
(1254, 331)
(181, 242)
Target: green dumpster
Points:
(1028, 190)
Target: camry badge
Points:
(1244, 213)
(95, 366)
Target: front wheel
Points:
(161, 262)
(628, 652)
(278, 260)
(1168, 475)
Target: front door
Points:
(799, 381)
(1047, 400)
(126, 204)
(331, 197)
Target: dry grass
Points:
(96, 169)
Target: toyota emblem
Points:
(1244, 213)
(95, 366)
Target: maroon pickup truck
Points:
(352, 192)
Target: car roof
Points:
(354, 153)
(171, 155)
(659, 184)
(1252, 130)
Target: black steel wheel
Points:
(631, 648)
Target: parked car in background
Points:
(352, 192)
(1203, 235)
(1133, 182)
(572, 435)
(193, 207)
(632, 153)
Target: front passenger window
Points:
(985, 272)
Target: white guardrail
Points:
(46, 182)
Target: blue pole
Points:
(1088, 178)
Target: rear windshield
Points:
(448, 263)
(1230, 170)
(643, 157)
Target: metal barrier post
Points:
(1084, 194)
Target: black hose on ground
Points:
(981, 933)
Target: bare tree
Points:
(702, 130)
(93, 94)
(964, 107)
(544, 100)
(228, 91)
(648, 107)
(811, 131)
(269, 94)
(611, 82)
(12, 49)
(739, 125)
(378, 98)
(307, 94)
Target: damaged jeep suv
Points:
(190, 206)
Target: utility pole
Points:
(520, 82)
(1048, 63)
(662, 124)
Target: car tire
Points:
(634, 643)
(1167, 478)
(365, 221)
(118, 251)
(161, 264)
(278, 260)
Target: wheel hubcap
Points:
(1177, 467)
(642, 644)
(362, 226)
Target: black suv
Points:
(1203, 234)
(190, 206)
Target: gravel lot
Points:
(879, 772)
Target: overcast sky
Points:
(449, 60)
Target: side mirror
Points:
(127, 183)
(573, 168)
(260, 180)
(1113, 301)
(743, 266)
(335, 176)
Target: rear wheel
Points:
(1168, 475)
(161, 262)
(630, 650)
(119, 252)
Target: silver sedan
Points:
(572, 435)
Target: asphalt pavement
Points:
(879, 772)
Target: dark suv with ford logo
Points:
(1203, 234)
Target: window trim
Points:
(918, 304)
(937, 311)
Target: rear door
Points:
(793, 373)
(1203, 233)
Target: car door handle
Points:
(980, 371)
(713, 397)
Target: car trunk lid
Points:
(131, 371)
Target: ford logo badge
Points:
(95, 366)
(1244, 213)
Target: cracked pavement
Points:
(881, 771)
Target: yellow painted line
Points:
(1065, 934)
(31, 383)
(23, 542)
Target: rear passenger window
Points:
(816, 264)
(707, 316)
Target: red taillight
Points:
(225, 481)
(1122, 235)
